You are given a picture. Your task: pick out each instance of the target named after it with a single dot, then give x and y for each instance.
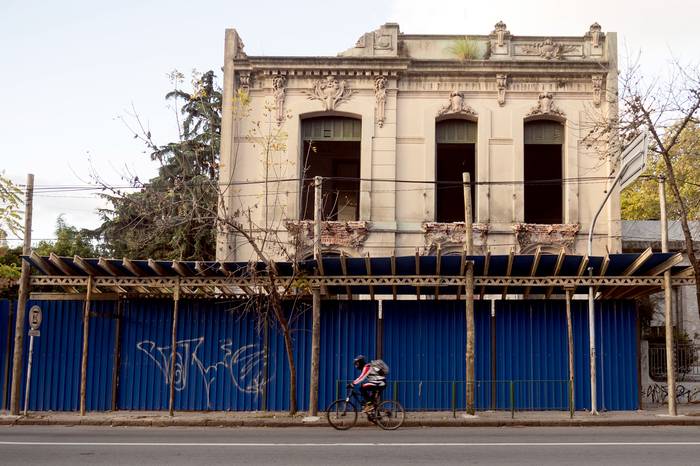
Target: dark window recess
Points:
(339, 161)
(455, 154)
(543, 183)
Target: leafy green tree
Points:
(10, 204)
(170, 216)
(70, 242)
(640, 201)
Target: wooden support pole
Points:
(316, 303)
(17, 359)
(86, 347)
(173, 348)
(570, 345)
(116, 364)
(668, 319)
(469, 293)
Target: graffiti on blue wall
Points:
(243, 364)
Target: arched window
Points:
(331, 149)
(543, 163)
(455, 153)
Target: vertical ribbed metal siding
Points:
(6, 334)
(425, 344)
(531, 350)
(299, 315)
(348, 328)
(219, 359)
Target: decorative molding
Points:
(548, 49)
(595, 33)
(545, 107)
(330, 91)
(351, 234)
(279, 91)
(597, 89)
(244, 82)
(501, 32)
(380, 97)
(239, 53)
(550, 237)
(457, 106)
(451, 235)
(502, 83)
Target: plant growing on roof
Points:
(465, 49)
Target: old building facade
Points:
(393, 122)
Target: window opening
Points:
(543, 172)
(455, 153)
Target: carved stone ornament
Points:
(382, 40)
(244, 82)
(501, 32)
(450, 236)
(548, 49)
(501, 82)
(545, 106)
(349, 234)
(597, 89)
(457, 106)
(595, 33)
(550, 238)
(279, 91)
(380, 97)
(330, 92)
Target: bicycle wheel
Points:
(341, 414)
(390, 415)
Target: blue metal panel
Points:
(6, 349)
(531, 355)
(348, 328)
(617, 355)
(219, 357)
(424, 345)
(299, 317)
(531, 351)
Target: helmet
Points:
(359, 362)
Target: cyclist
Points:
(375, 380)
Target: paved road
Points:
(321, 446)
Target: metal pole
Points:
(17, 359)
(469, 293)
(316, 303)
(173, 348)
(591, 305)
(668, 319)
(29, 375)
(570, 337)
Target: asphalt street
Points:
(322, 446)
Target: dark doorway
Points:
(544, 195)
(455, 154)
(331, 149)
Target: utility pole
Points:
(570, 345)
(17, 359)
(316, 303)
(670, 355)
(469, 291)
(86, 347)
(173, 348)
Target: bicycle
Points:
(342, 413)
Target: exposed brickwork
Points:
(341, 234)
(554, 236)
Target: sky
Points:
(73, 72)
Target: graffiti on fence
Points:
(243, 365)
(658, 393)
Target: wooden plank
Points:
(108, 267)
(462, 265)
(533, 269)
(344, 268)
(438, 257)
(509, 270)
(666, 265)
(43, 265)
(557, 269)
(85, 266)
(157, 268)
(393, 272)
(60, 265)
(487, 263)
(181, 269)
(132, 267)
(638, 262)
(368, 266)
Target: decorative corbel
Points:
(545, 107)
(279, 92)
(597, 80)
(457, 106)
(380, 98)
(502, 83)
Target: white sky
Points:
(70, 68)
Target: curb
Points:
(276, 423)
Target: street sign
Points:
(34, 332)
(633, 160)
(35, 317)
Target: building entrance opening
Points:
(331, 149)
(455, 154)
(543, 191)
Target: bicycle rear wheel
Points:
(390, 415)
(341, 414)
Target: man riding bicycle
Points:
(374, 375)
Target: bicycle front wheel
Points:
(390, 415)
(341, 414)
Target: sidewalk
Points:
(688, 415)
